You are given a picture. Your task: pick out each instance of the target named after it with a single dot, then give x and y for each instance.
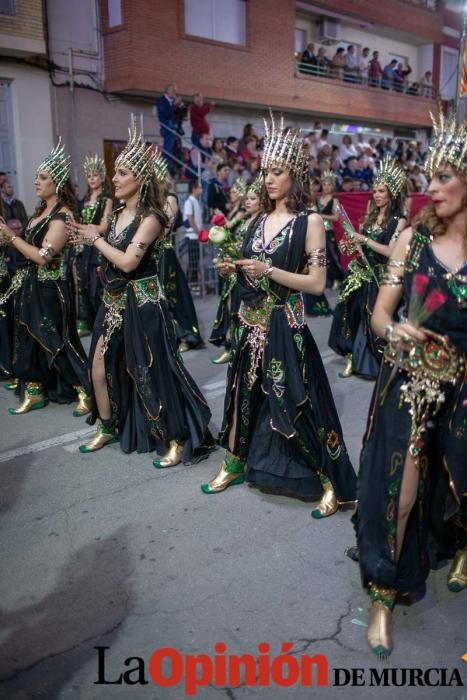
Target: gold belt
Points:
(260, 315)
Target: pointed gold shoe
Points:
(328, 504)
(223, 480)
(84, 404)
(348, 370)
(33, 399)
(172, 457)
(457, 577)
(12, 385)
(104, 436)
(380, 629)
(183, 347)
(222, 359)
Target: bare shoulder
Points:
(315, 219)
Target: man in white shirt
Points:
(363, 65)
(193, 222)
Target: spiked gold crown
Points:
(448, 144)
(329, 176)
(257, 184)
(391, 174)
(284, 148)
(137, 157)
(57, 165)
(161, 169)
(240, 186)
(94, 164)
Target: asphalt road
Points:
(104, 550)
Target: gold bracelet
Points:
(13, 238)
(317, 258)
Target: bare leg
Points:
(407, 498)
(99, 383)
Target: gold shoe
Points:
(224, 478)
(84, 404)
(328, 504)
(457, 577)
(380, 629)
(83, 329)
(222, 359)
(12, 385)
(172, 457)
(348, 370)
(33, 399)
(104, 436)
(183, 347)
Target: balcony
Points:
(328, 91)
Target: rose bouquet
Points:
(423, 305)
(220, 235)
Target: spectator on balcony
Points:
(419, 180)
(399, 78)
(351, 65)
(389, 75)
(323, 64)
(374, 70)
(250, 149)
(405, 69)
(217, 199)
(218, 150)
(312, 141)
(364, 65)
(198, 114)
(338, 64)
(308, 60)
(361, 145)
(168, 118)
(426, 85)
(347, 149)
(414, 89)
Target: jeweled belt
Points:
(430, 366)
(146, 290)
(260, 314)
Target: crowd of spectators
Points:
(364, 69)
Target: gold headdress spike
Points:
(391, 174)
(57, 165)
(329, 176)
(160, 167)
(257, 184)
(448, 144)
(239, 186)
(94, 164)
(137, 157)
(284, 148)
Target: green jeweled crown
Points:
(256, 186)
(240, 186)
(161, 169)
(57, 165)
(284, 148)
(448, 144)
(94, 164)
(137, 157)
(391, 174)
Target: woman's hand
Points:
(405, 332)
(6, 233)
(225, 266)
(252, 268)
(359, 237)
(81, 233)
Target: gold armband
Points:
(390, 280)
(47, 251)
(317, 258)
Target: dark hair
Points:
(395, 208)
(231, 139)
(105, 188)
(66, 198)
(220, 166)
(324, 132)
(298, 197)
(192, 185)
(366, 48)
(151, 201)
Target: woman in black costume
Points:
(84, 261)
(351, 335)
(229, 300)
(48, 357)
(277, 389)
(412, 492)
(143, 395)
(6, 314)
(327, 206)
(171, 275)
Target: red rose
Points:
(218, 220)
(419, 284)
(203, 236)
(434, 301)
